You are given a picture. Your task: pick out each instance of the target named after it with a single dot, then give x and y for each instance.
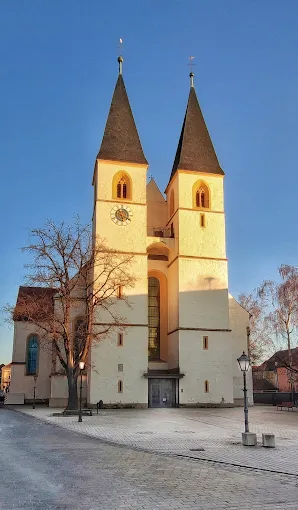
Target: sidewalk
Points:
(209, 434)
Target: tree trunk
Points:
(72, 379)
(290, 361)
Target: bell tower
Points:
(120, 220)
(200, 321)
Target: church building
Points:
(183, 331)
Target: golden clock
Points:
(121, 215)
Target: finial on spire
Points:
(120, 58)
(191, 74)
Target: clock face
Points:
(121, 215)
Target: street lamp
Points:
(34, 388)
(81, 367)
(244, 364)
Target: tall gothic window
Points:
(32, 355)
(172, 203)
(154, 317)
(79, 336)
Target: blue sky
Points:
(58, 72)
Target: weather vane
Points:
(191, 63)
(191, 75)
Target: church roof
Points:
(31, 300)
(195, 149)
(121, 140)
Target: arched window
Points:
(201, 196)
(154, 317)
(172, 203)
(122, 186)
(32, 354)
(79, 335)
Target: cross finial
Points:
(191, 74)
(120, 58)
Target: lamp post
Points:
(244, 364)
(34, 389)
(81, 366)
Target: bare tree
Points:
(281, 299)
(84, 276)
(259, 337)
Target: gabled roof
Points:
(121, 140)
(33, 297)
(282, 359)
(195, 149)
(153, 192)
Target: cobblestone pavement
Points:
(47, 467)
(212, 434)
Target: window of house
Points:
(32, 355)
(120, 386)
(120, 292)
(203, 220)
(120, 367)
(205, 342)
(120, 339)
(206, 384)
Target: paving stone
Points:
(68, 467)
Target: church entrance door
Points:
(162, 392)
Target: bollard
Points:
(268, 440)
(249, 439)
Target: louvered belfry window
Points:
(122, 188)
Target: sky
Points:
(57, 75)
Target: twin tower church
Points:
(183, 332)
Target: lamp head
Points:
(82, 365)
(244, 362)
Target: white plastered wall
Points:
(133, 355)
(199, 365)
(239, 321)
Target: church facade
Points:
(183, 331)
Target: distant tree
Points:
(85, 276)
(259, 339)
(281, 300)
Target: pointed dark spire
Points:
(121, 140)
(195, 150)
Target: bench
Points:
(288, 405)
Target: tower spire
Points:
(195, 150)
(121, 140)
